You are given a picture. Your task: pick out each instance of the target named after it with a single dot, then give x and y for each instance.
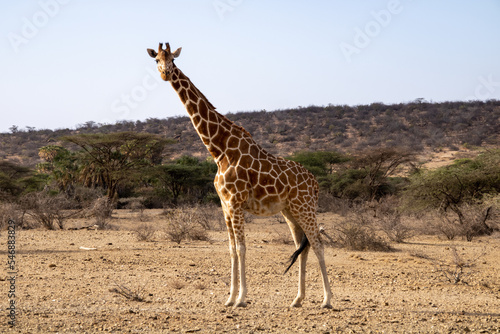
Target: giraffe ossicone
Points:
(250, 179)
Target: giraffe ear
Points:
(177, 53)
(152, 53)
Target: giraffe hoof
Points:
(296, 305)
(229, 303)
(240, 304)
(327, 306)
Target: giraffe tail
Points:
(303, 244)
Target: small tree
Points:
(60, 164)
(370, 175)
(109, 160)
(185, 176)
(320, 163)
(16, 179)
(378, 165)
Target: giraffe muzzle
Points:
(165, 75)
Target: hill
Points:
(417, 125)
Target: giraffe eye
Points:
(156, 61)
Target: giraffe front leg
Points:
(234, 273)
(241, 251)
(238, 221)
(235, 222)
(234, 259)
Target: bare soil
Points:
(61, 287)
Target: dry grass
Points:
(145, 232)
(101, 210)
(358, 232)
(369, 287)
(185, 223)
(11, 211)
(177, 284)
(282, 237)
(137, 295)
(457, 268)
(200, 285)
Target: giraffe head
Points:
(165, 60)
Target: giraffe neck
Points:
(214, 129)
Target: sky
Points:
(64, 63)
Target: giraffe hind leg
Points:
(303, 244)
(302, 251)
(318, 249)
(313, 236)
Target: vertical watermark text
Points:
(12, 272)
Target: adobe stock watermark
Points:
(123, 105)
(31, 27)
(222, 7)
(12, 271)
(363, 36)
(485, 89)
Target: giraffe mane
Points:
(213, 108)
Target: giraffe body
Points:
(250, 179)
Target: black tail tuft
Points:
(303, 244)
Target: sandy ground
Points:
(63, 288)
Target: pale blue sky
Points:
(66, 62)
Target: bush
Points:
(11, 211)
(458, 268)
(391, 221)
(101, 210)
(357, 232)
(135, 204)
(466, 181)
(184, 224)
(47, 210)
(145, 232)
(210, 217)
(85, 197)
(445, 226)
(469, 223)
(459, 193)
(329, 203)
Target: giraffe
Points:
(250, 179)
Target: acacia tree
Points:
(463, 182)
(10, 177)
(109, 160)
(378, 165)
(456, 189)
(61, 164)
(320, 163)
(185, 176)
(369, 175)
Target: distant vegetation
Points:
(364, 157)
(417, 126)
